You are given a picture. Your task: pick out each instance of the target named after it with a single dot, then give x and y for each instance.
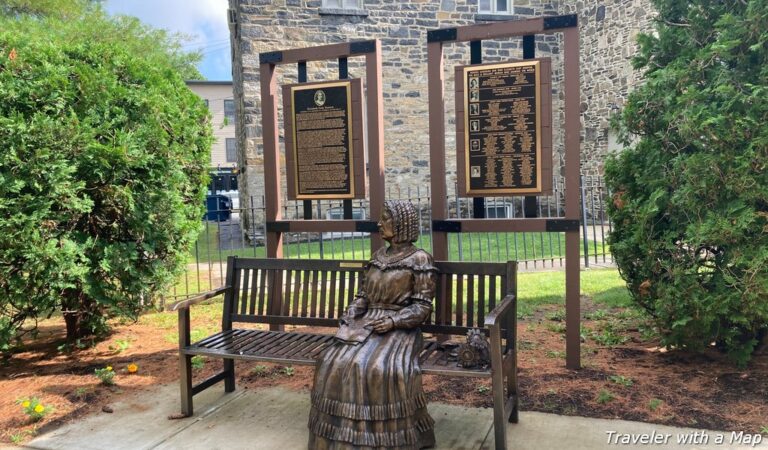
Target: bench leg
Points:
(499, 416)
(229, 380)
(499, 399)
(512, 388)
(185, 380)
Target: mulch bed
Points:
(635, 380)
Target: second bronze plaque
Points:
(504, 132)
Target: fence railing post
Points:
(211, 248)
(584, 220)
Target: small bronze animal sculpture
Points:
(475, 352)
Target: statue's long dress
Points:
(369, 395)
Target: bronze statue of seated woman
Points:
(367, 390)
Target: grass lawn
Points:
(604, 286)
(467, 247)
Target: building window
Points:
(231, 150)
(495, 6)
(343, 4)
(343, 8)
(229, 111)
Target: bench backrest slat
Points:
(295, 299)
(317, 292)
(459, 299)
(332, 296)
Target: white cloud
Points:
(207, 19)
(204, 21)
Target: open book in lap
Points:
(354, 331)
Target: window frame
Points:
(231, 120)
(340, 4)
(338, 8)
(494, 11)
(227, 149)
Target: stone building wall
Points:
(401, 25)
(608, 30)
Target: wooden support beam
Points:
(375, 137)
(572, 173)
(273, 210)
(436, 86)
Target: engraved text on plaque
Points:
(502, 128)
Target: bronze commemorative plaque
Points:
(323, 131)
(504, 131)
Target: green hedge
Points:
(103, 160)
(690, 206)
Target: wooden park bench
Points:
(316, 293)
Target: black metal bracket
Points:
(278, 227)
(568, 21)
(270, 57)
(356, 48)
(562, 225)
(446, 226)
(530, 206)
(366, 226)
(441, 35)
(529, 46)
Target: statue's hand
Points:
(383, 325)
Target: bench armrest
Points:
(196, 299)
(500, 311)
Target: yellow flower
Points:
(109, 368)
(39, 408)
(25, 404)
(133, 368)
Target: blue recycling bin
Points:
(218, 208)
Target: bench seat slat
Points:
(256, 342)
(240, 341)
(320, 346)
(276, 342)
(302, 348)
(232, 344)
(209, 339)
(265, 343)
(223, 339)
(296, 345)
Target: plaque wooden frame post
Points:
(441, 226)
(268, 63)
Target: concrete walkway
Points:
(274, 418)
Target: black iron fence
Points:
(240, 230)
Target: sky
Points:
(205, 21)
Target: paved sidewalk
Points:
(275, 418)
